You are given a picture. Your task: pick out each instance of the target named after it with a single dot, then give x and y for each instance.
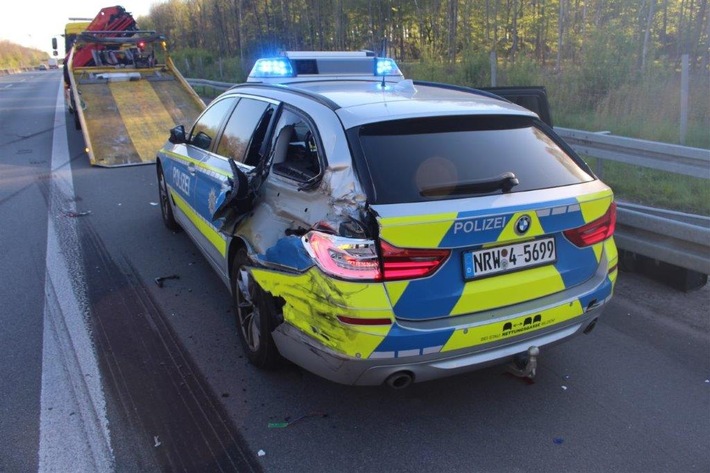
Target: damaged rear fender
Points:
(313, 302)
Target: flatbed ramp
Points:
(126, 115)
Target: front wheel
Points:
(256, 315)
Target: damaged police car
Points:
(374, 229)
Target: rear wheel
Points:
(165, 209)
(256, 315)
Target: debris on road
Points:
(558, 440)
(71, 213)
(157, 441)
(283, 425)
(159, 280)
(261, 453)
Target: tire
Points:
(165, 209)
(77, 121)
(255, 315)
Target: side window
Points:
(240, 128)
(296, 148)
(207, 126)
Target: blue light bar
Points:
(272, 67)
(385, 66)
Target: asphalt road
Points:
(163, 384)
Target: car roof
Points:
(358, 102)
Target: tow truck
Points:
(124, 90)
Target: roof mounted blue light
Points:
(385, 66)
(272, 68)
(309, 66)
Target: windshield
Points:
(405, 160)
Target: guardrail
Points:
(650, 154)
(675, 238)
(221, 86)
(672, 237)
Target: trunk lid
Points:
(505, 249)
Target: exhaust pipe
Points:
(400, 380)
(590, 327)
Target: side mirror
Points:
(177, 135)
(202, 140)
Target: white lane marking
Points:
(74, 434)
(7, 86)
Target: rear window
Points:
(457, 157)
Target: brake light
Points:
(596, 231)
(346, 258)
(408, 263)
(351, 258)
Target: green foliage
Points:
(14, 56)
(203, 64)
(655, 188)
(606, 61)
(605, 39)
(647, 108)
(524, 71)
(475, 69)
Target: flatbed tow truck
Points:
(125, 91)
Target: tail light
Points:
(596, 231)
(346, 258)
(357, 259)
(408, 263)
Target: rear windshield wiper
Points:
(504, 182)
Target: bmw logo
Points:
(522, 225)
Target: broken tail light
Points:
(596, 231)
(346, 258)
(351, 258)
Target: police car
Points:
(374, 229)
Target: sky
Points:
(33, 23)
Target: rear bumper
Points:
(321, 360)
(542, 323)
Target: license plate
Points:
(504, 259)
